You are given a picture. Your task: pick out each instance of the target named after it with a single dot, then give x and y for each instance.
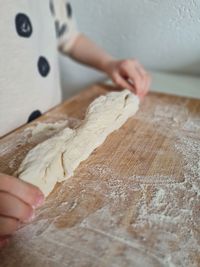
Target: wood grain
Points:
(134, 202)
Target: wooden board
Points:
(134, 202)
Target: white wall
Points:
(162, 34)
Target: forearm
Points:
(88, 53)
(125, 73)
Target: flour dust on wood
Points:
(108, 217)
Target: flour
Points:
(30, 134)
(9, 145)
(175, 113)
(192, 125)
(43, 128)
(159, 196)
(27, 138)
(134, 220)
(48, 129)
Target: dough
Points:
(55, 159)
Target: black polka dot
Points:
(23, 25)
(69, 10)
(51, 5)
(60, 29)
(43, 66)
(34, 115)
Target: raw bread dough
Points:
(55, 159)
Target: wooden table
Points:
(134, 202)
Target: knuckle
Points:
(25, 213)
(133, 61)
(125, 64)
(31, 194)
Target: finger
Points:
(137, 80)
(133, 75)
(11, 206)
(129, 70)
(4, 241)
(28, 193)
(147, 84)
(145, 76)
(149, 80)
(122, 83)
(140, 70)
(8, 225)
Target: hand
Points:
(129, 74)
(18, 200)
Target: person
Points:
(33, 32)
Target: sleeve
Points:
(65, 24)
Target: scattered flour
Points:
(42, 128)
(135, 220)
(192, 125)
(175, 113)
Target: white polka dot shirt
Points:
(32, 32)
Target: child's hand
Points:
(17, 203)
(129, 74)
(125, 73)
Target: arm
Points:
(125, 73)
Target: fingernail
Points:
(39, 201)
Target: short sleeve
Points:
(65, 24)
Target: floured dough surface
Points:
(55, 159)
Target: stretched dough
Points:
(55, 159)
